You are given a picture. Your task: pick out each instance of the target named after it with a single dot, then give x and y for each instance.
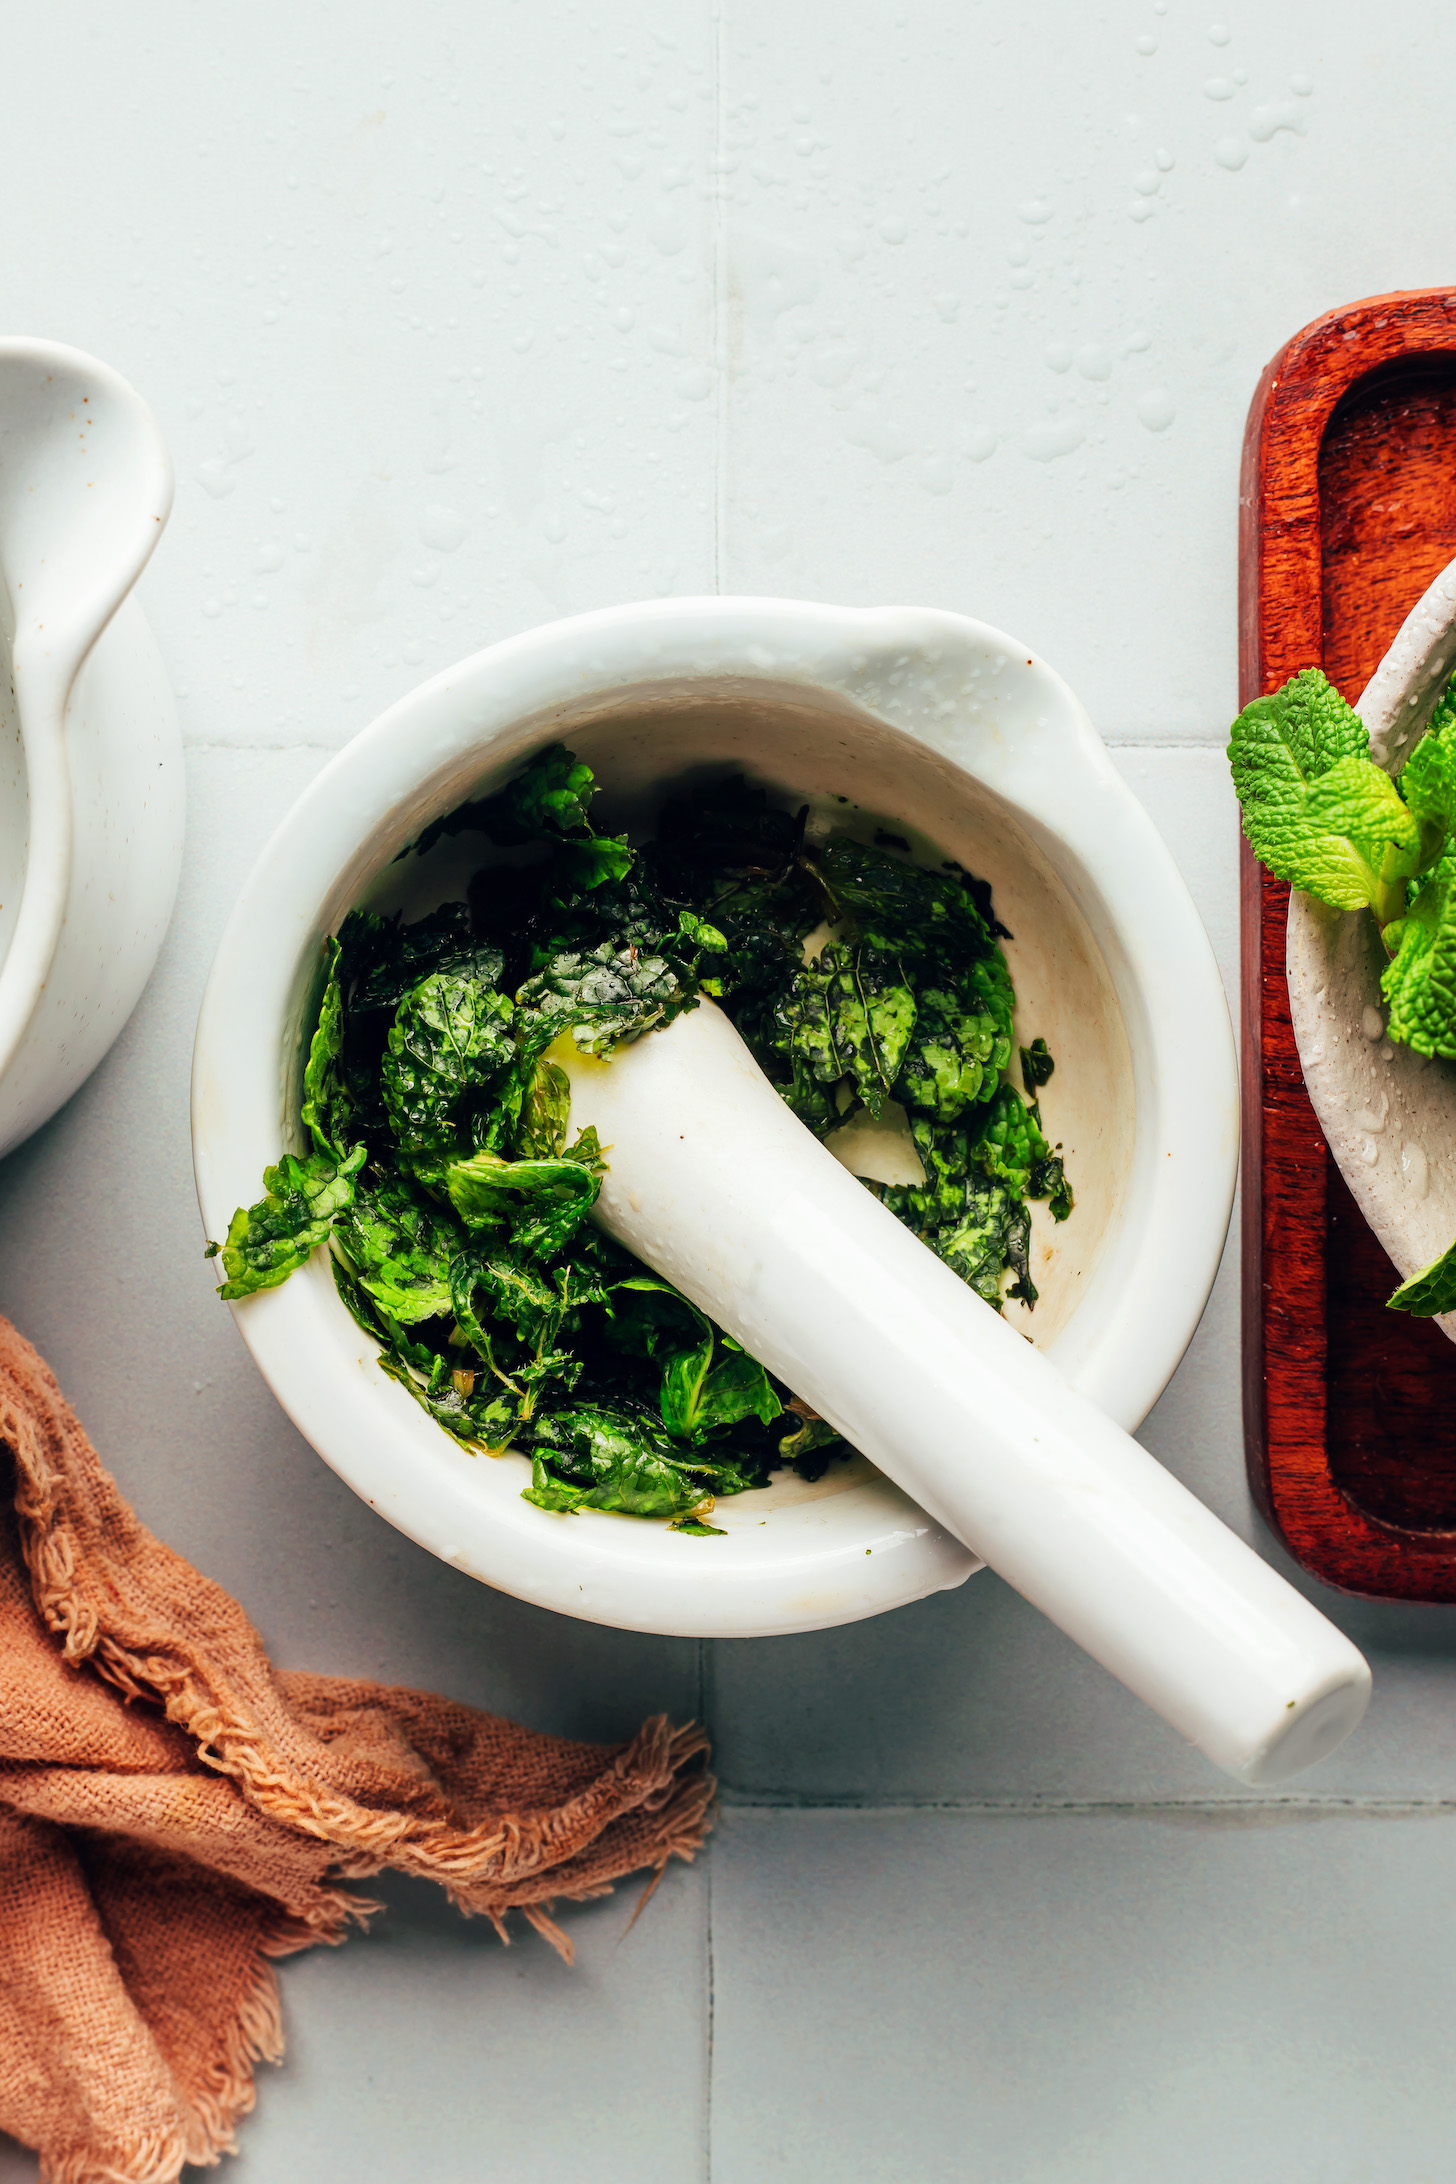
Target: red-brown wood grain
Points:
(1347, 511)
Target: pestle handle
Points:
(717, 1186)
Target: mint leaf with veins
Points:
(399, 1247)
(540, 1203)
(450, 1036)
(327, 1102)
(1419, 984)
(300, 1203)
(1316, 808)
(1431, 1291)
(607, 995)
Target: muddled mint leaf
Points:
(592, 1456)
(1036, 1067)
(327, 1104)
(300, 1203)
(606, 995)
(539, 1203)
(552, 797)
(450, 1037)
(541, 1128)
(399, 1246)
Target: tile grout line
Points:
(710, 2001)
(764, 1806)
(720, 301)
(330, 750)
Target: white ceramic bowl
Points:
(91, 794)
(962, 742)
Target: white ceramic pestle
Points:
(90, 836)
(718, 1186)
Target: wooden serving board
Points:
(1347, 512)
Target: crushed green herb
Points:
(444, 1175)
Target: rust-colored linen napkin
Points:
(174, 1812)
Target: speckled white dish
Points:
(968, 746)
(1389, 1114)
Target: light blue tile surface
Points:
(427, 2050)
(1099, 1998)
(842, 304)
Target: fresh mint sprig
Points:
(1322, 815)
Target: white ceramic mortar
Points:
(962, 741)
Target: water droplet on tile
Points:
(1148, 183)
(947, 303)
(1302, 86)
(1058, 436)
(1094, 361)
(1231, 153)
(894, 228)
(867, 426)
(980, 444)
(215, 477)
(1219, 87)
(1145, 45)
(773, 276)
(442, 529)
(1266, 121)
(1035, 212)
(694, 385)
(268, 558)
(1219, 34)
(1163, 160)
(1155, 409)
(1058, 356)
